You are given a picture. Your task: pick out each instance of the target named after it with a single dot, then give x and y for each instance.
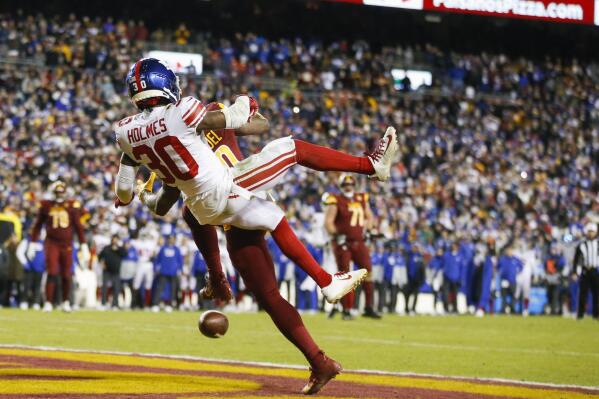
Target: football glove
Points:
(240, 112)
(341, 239)
(147, 186)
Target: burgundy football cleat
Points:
(217, 288)
(321, 375)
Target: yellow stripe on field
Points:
(270, 397)
(513, 391)
(31, 381)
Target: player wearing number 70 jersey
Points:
(163, 137)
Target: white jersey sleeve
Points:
(192, 111)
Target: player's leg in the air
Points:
(251, 258)
(266, 169)
(246, 211)
(361, 257)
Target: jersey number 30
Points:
(160, 160)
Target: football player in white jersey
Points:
(163, 137)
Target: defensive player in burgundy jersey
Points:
(250, 256)
(62, 220)
(248, 249)
(347, 218)
(163, 137)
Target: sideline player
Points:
(61, 219)
(163, 137)
(347, 219)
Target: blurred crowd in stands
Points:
(499, 157)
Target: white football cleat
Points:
(36, 306)
(47, 307)
(383, 156)
(168, 309)
(343, 283)
(479, 313)
(66, 307)
(155, 309)
(24, 306)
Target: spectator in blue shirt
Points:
(467, 270)
(508, 268)
(452, 264)
(483, 276)
(168, 265)
(378, 274)
(415, 269)
(395, 274)
(435, 272)
(128, 268)
(554, 267)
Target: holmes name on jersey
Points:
(137, 134)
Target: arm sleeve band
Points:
(125, 180)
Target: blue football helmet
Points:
(150, 78)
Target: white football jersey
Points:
(165, 140)
(146, 248)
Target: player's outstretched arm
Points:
(125, 179)
(258, 125)
(232, 117)
(213, 120)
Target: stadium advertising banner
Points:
(571, 11)
(574, 11)
(180, 62)
(417, 78)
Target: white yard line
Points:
(156, 327)
(459, 347)
(298, 367)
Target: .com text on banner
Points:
(572, 11)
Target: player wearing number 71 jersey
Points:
(163, 137)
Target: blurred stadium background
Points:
(497, 113)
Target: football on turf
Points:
(213, 324)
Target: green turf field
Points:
(539, 349)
